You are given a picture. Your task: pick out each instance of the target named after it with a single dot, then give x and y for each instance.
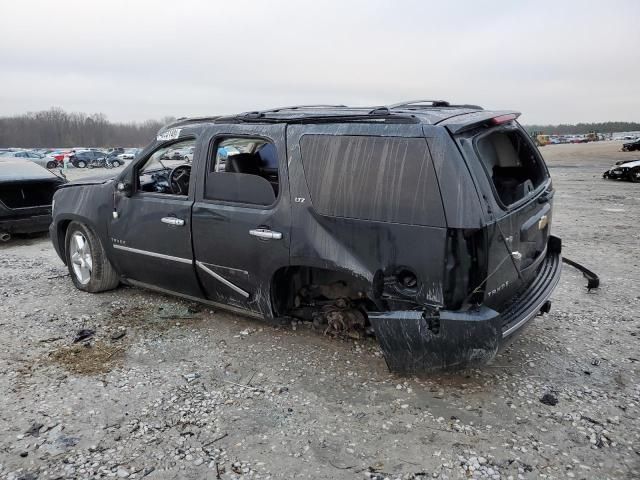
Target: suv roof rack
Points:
(383, 114)
(432, 104)
(262, 113)
(409, 103)
(372, 116)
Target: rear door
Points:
(517, 190)
(241, 215)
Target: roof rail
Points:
(261, 113)
(434, 103)
(187, 120)
(384, 110)
(317, 105)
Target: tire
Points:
(634, 175)
(115, 163)
(81, 164)
(89, 268)
(52, 164)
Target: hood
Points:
(94, 180)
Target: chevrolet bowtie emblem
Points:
(543, 222)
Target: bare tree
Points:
(57, 128)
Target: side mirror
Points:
(124, 188)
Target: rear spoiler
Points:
(468, 121)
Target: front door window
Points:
(168, 169)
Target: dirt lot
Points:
(166, 389)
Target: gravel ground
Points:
(168, 389)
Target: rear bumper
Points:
(414, 342)
(32, 224)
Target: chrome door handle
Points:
(173, 221)
(266, 234)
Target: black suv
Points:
(425, 223)
(83, 159)
(631, 146)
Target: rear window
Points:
(386, 179)
(513, 164)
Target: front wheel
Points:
(81, 164)
(634, 175)
(89, 267)
(52, 164)
(115, 163)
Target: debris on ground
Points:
(83, 334)
(549, 399)
(118, 335)
(190, 377)
(88, 359)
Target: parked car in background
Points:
(60, 155)
(445, 256)
(26, 193)
(631, 146)
(627, 170)
(81, 159)
(47, 162)
(129, 154)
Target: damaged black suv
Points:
(425, 223)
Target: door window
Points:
(167, 170)
(243, 170)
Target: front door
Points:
(150, 230)
(241, 216)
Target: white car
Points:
(129, 154)
(47, 162)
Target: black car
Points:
(84, 159)
(631, 146)
(624, 170)
(26, 192)
(425, 223)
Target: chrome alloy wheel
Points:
(81, 258)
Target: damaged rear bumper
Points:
(414, 342)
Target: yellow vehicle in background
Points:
(591, 137)
(541, 140)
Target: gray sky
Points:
(560, 61)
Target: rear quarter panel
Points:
(363, 247)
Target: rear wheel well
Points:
(335, 301)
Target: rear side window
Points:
(512, 163)
(243, 170)
(386, 179)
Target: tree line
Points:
(57, 128)
(582, 128)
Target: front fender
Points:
(89, 204)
